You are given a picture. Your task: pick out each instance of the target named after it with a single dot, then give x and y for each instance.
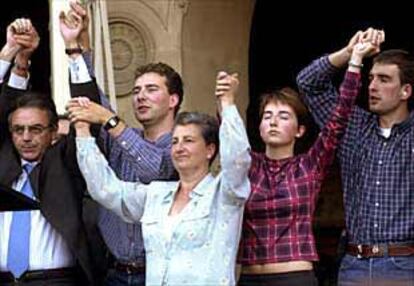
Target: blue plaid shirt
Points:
(377, 172)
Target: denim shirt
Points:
(203, 247)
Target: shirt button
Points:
(377, 204)
(123, 143)
(380, 162)
(378, 183)
(376, 225)
(384, 144)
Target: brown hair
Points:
(38, 100)
(174, 82)
(208, 125)
(287, 96)
(403, 60)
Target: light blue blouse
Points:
(203, 246)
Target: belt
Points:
(380, 250)
(39, 275)
(130, 268)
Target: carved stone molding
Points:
(132, 46)
(144, 31)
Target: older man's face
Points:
(31, 132)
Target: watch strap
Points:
(112, 122)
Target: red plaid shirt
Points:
(278, 216)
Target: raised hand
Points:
(81, 109)
(18, 26)
(78, 10)
(373, 38)
(71, 25)
(28, 40)
(21, 36)
(226, 88)
(368, 45)
(356, 38)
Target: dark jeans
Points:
(299, 278)
(383, 271)
(118, 278)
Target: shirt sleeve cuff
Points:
(18, 82)
(4, 67)
(78, 70)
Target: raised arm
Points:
(322, 152)
(315, 81)
(153, 160)
(7, 54)
(126, 199)
(22, 41)
(234, 145)
(72, 26)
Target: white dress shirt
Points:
(48, 249)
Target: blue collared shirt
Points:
(377, 172)
(203, 246)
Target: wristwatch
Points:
(112, 122)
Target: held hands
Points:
(71, 25)
(226, 88)
(81, 127)
(77, 8)
(81, 109)
(367, 42)
(23, 37)
(368, 45)
(370, 42)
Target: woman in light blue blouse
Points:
(191, 228)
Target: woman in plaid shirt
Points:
(277, 245)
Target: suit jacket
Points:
(57, 182)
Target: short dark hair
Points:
(174, 82)
(208, 125)
(402, 59)
(37, 100)
(287, 96)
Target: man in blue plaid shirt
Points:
(377, 163)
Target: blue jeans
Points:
(383, 271)
(120, 278)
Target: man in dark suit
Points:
(47, 246)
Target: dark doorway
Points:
(285, 37)
(38, 12)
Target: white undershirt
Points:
(48, 249)
(386, 132)
(170, 223)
